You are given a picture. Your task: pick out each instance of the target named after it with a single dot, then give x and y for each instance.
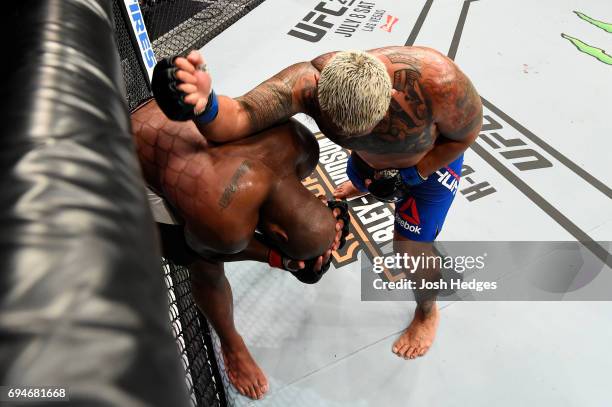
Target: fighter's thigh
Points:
(421, 216)
(419, 220)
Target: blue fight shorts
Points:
(421, 215)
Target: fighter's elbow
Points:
(229, 243)
(217, 241)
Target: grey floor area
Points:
(321, 345)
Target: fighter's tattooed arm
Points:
(435, 108)
(278, 98)
(457, 114)
(232, 187)
(273, 101)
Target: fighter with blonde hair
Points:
(407, 113)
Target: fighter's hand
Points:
(322, 260)
(339, 226)
(336, 243)
(293, 265)
(343, 219)
(196, 80)
(340, 213)
(309, 271)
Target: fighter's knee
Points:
(411, 247)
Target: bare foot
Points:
(418, 337)
(243, 372)
(347, 190)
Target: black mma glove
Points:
(171, 100)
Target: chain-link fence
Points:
(134, 78)
(174, 27)
(193, 339)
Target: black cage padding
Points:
(83, 304)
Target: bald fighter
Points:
(220, 196)
(407, 114)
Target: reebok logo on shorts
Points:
(413, 216)
(411, 228)
(407, 216)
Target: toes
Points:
(251, 393)
(412, 352)
(263, 386)
(255, 391)
(406, 354)
(402, 350)
(422, 351)
(397, 346)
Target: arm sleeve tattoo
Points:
(462, 111)
(278, 98)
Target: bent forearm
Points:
(255, 251)
(271, 102)
(229, 125)
(246, 115)
(444, 153)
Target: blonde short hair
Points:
(354, 90)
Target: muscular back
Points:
(289, 149)
(218, 196)
(219, 190)
(432, 97)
